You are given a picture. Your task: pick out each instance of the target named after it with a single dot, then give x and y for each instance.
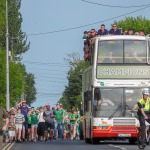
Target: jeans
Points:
(59, 126)
(143, 127)
(25, 124)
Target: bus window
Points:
(132, 96)
(110, 51)
(109, 101)
(135, 51)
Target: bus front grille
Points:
(124, 122)
(124, 129)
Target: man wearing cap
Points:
(3, 115)
(102, 30)
(24, 110)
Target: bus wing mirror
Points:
(97, 94)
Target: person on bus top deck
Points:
(130, 32)
(144, 113)
(92, 36)
(142, 33)
(114, 30)
(102, 30)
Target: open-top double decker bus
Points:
(111, 86)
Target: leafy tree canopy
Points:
(136, 24)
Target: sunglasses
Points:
(114, 26)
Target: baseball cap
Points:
(23, 101)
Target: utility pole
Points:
(7, 60)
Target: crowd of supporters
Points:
(42, 124)
(89, 36)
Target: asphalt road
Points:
(75, 145)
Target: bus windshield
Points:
(117, 101)
(122, 51)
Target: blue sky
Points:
(45, 58)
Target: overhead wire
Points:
(39, 78)
(44, 63)
(42, 69)
(52, 81)
(74, 28)
(116, 6)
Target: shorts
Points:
(19, 126)
(12, 133)
(49, 126)
(41, 128)
(34, 125)
(29, 126)
(72, 125)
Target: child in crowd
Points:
(34, 125)
(85, 37)
(11, 128)
(66, 134)
(73, 123)
(29, 125)
(19, 119)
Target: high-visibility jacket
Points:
(145, 104)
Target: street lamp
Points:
(7, 60)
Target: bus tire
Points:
(132, 140)
(95, 141)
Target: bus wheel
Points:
(95, 141)
(132, 140)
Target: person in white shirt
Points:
(41, 124)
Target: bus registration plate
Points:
(124, 135)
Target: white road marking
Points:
(117, 147)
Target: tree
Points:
(30, 90)
(136, 24)
(17, 38)
(2, 22)
(17, 80)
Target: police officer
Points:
(144, 113)
(3, 116)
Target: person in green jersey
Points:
(34, 125)
(29, 125)
(58, 122)
(73, 122)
